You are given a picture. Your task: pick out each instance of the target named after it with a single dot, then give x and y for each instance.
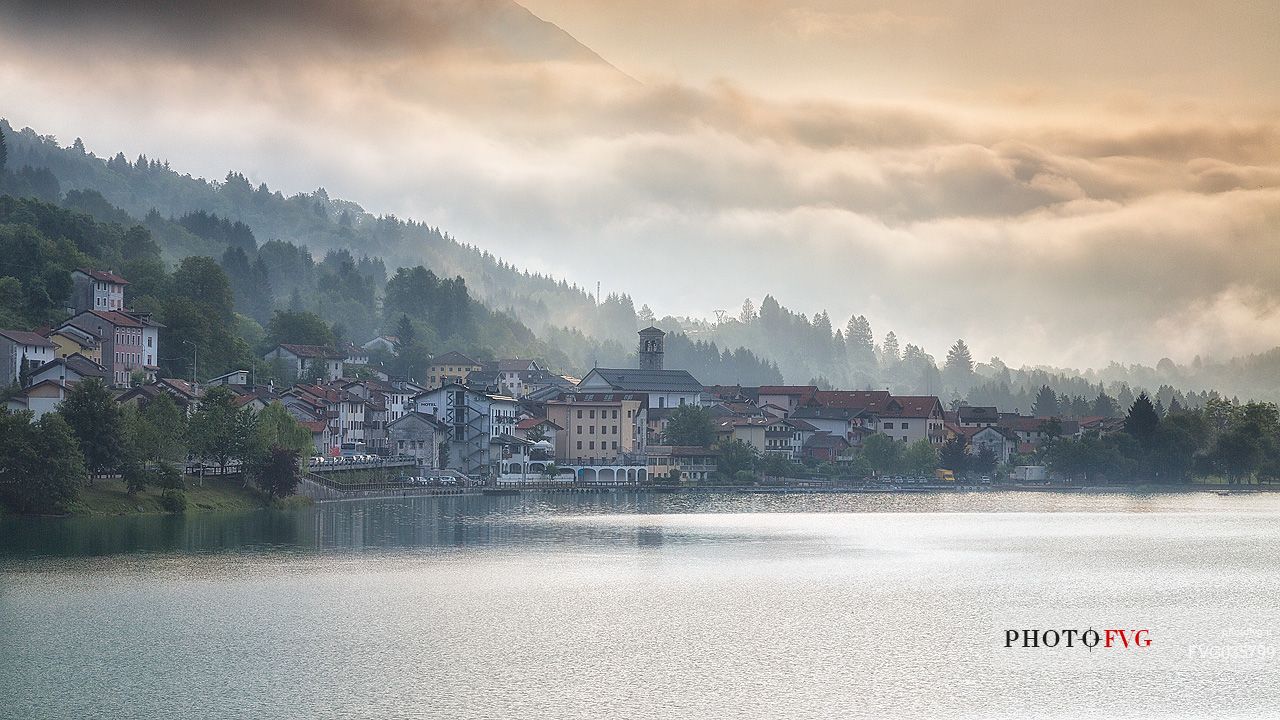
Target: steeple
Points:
(650, 350)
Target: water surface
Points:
(623, 605)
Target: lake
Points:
(648, 606)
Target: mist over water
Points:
(647, 606)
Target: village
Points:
(515, 421)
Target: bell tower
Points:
(650, 350)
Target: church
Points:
(664, 388)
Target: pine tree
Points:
(1142, 420)
(4, 151)
(1046, 404)
(959, 365)
(891, 352)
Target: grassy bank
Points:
(108, 497)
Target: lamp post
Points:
(195, 358)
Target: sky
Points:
(1066, 183)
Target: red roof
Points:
(104, 276)
(875, 401)
(117, 318)
(913, 406)
(312, 351)
(315, 426)
(22, 337)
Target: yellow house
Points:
(450, 367)
(70, 340)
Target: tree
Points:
(404, 331)
(281, 474)
(1046, 403)
(920, 458)
(882, 453)
(890, 350)
(272, 428)
(4, 151)
(1104, 405)
(217, 431)
(299, 328)
(954, 455)
(984, 463)
(861, 343)
(94, 418)
(1142, 420)
(735, 456)
(41, 466)
(689, 425)
(537, 433)
(959, 365)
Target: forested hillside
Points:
(310, 252)
(250, 294)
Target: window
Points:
(592, 444)
(904, 426)
(579, 417)
(615, 414)
(615, 429)
(615, 444)
(579, 444)
(592, 415)
(888, 426)
(579, 429)
(591, 430)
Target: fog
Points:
(1042, 218)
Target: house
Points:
(68, 370)
(450, 367)
(304, 361)
(373, 393)
(1002, 443)
(69, 340)
(96, 290)
(185, 395)
(1033, 431)
(750, 430)
(599, 428)
(538, 427)
(20, 352)
(40, 398)
(910, 418)
(355, 355)
(694, 463)
(321, 440)
(475, 421)
(235, 377)
(824, 447)
(130, 342)
(786, 436)
(786, 397)
(972, 416)
(511, 375)
(383, 343)
(418, 435)
(846, 422)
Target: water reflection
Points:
(533, 519)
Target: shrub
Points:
(174, 501)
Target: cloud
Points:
(1042, 236)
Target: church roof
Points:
(631, 380)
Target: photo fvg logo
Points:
(1110, 638)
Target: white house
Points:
(97, 290)
(21, 350)
(300, 360)
(40, 398)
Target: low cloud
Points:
(1041, 239)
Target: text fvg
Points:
(1109, 638)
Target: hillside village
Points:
(515, 418)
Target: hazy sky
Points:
(1059, 182)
